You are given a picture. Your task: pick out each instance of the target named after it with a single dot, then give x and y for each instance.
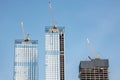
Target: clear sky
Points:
(97, 19)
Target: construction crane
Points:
(26, 36)
(22, 26)
(51, 14)
(92, 49)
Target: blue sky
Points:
(97, 19)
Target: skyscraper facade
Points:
(26, 60)
(96, 69)
(54, 53)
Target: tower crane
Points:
(26, 36)
(51, 14)
(22, 26)
(92, 49)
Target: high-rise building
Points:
(26, 60)
(54, 53)
(96, 69)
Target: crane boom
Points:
(26, 37)
(91, 48)
(51, 14)
(22, 26)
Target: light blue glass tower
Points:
(54, 53)
(26, 60)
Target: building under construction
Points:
(96, 69)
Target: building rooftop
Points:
(53, 29)
(20, 41)
(94, 63)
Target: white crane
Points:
(92, 49)
(51, 14)
(26, 37)
(22, 26)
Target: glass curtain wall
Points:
(26, 60)
(52, 53)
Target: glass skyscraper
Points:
(26, 60)
(54, 53)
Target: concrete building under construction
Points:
(96, 69)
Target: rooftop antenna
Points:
(26, 36)
(51, 14)
(92, 49)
